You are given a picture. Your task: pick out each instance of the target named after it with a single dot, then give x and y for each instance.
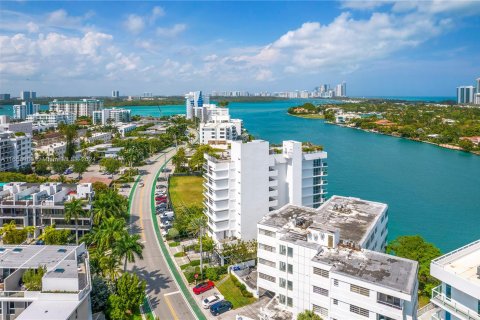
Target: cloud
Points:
(157, 12)
(174, 31)
(134, 24)
(363, 5)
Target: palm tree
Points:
(103, 237)
(74, 210)
(127, 247)
(109, 265)
(308, 315)
(109, 204)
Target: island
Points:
(307, 110)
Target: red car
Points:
(204, 286)
(161, 198)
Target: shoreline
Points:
(307, 116)
(441, 145)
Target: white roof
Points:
(49, 310)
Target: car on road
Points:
(221, 307)
(125, 185)
(203, 287)
(141, 184)
(208, 302)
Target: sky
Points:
(380, 48)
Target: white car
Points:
(208, 302)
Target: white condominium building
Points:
(219, 127)
(24, 126)
(465, 94)
(458, 296)
(52, 118)
(253, 179)
(328, 260)
(98, 136)
(111, 116)
(124, 128)
(196, 104)
(15, 150)
(65, 287)
(79, 108)
(21, 111)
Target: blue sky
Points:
(399, 48)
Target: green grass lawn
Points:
(233, 294)
(186, 190)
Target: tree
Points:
(110, 165)
(74, 210)
(416, 248)
(109, 204)
(127, 248)
(11, 235)
(179, 160)
(197, 160)
(51, 236)
(80, 166)
(465, 144)
(70, 132)
(41, 167)
(108, 264)
(59, 166)
(240, 251)
(33, 278)
(99, 187)
(127, 298)
(308, 315)
(104, 237)
(99, 295)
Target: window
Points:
(335, 282)
(320, 310)
(282, 266)
(360, 311)
(283, 249)
(290, 252)
(266, 277)
(360, 290)
(289, 285)
(266, 262)
(320, 272)
(382, 317)
(281, 299)
(317, 180)
(265, 247)
(290, 268)
(389, 300)
(335, 302)
(266, 232)
(317, 162)
(290, 302)
(323, 292)
(282, 282)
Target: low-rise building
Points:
(346, 117)
(65, 287)
(42, 205)
(330, 260)
(52, 118)
(24, 126)
(98, 136)
(124, 128)
(111, 116)
(251, 180)
(55, 150)
(458, 296)
(15, 150)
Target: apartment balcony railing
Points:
(452, 306)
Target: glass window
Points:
(290, 302)
(389, 300)
(282, 282)
(283, 250)
(281, 299)
(282, 266)
(290, 268)
(289, 285)
(290, 252)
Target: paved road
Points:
(166, 300)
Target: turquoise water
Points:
(430, 191)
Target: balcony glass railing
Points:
(452, 306)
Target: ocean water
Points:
(430, 190)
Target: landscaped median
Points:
(171, 264)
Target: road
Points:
(166, 299)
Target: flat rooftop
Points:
(48, 310)
(32, 256)
(375, 267)
(352, 217)
(462, 262)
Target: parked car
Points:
(162, 206)
(162, 179)
(125, 185)
(166, 170)
(161, 201)
(221, 307)
(165, 224)
(168, 214)
(68, 171)
(159, 186)
(160, 198)
(161, 193)
(208, 302)
(203, 287)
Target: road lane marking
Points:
(140, 209)
(169, 305)
(170, 293)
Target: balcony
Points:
(455, 308)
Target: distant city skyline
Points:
(389, 48)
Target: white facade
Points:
(253, 180)
(66, 286)
(458, 297)
(15, 151)
(98, 136)
(112, 115)
(465, 94)
(21, 111)
(125, 128)
(327, 260)
(25, 95)
(24, 126)
(52, 118)
(345, 117)
(218, 127)
(55, 151)
(195, 105)
(80, 108)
